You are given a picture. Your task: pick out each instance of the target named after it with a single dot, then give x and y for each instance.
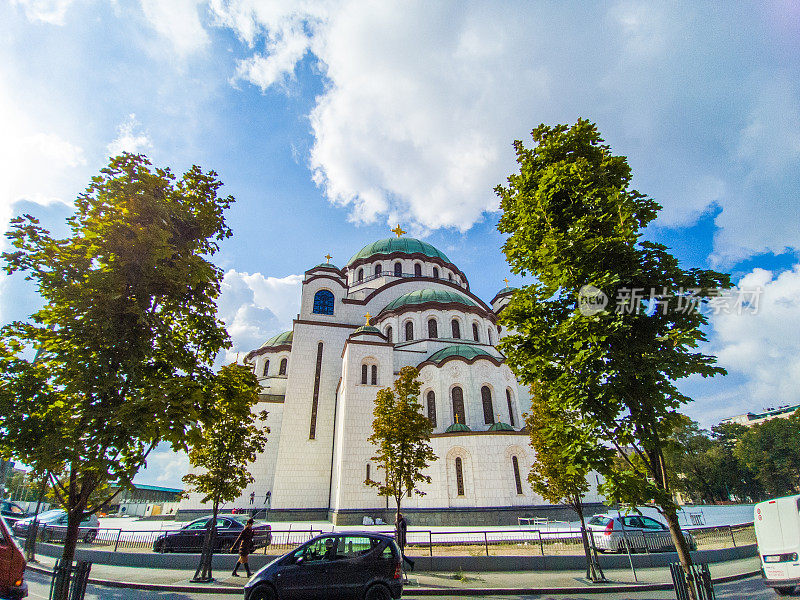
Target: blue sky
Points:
(332, 121)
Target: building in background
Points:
(750, 419)
(397, 302)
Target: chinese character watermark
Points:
(635, 300)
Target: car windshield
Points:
(599, 520)
(50, 515)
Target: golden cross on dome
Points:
(456, 417)
(506, 280)
(398, 231)
(367, 317)
(328, 258)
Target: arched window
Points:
(475, 332)
(458, 405)
(450, 277)
(432, 408)
(409, 331)
(433, 329)
(360, 275)
(389, 334)
(436, 272)
(398, 269)
(323, 303)
(510, 409)
(266, 368)
(459, 477)
(364, 374)
(282, 368)
(368, 478)
(456, 329)
(488, 410)
(312, 431)
(517, 480)
(374, 380)
(378, 269)
(417, 270)
(489, 335)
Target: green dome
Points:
(504, 291)
(465, 351)
(281, 339)
(405, 245)
(455, 427)
(427, 295)
(500, 426)
(367, 329)
(322, 265)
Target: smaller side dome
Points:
(367, 329)
(282, 339)
(457, 427)
(428, 295)
(500, 426)
(464, 351)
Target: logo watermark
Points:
(738, 301)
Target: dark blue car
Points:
(333, 566)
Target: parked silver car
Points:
(610, 533)
(53, 527)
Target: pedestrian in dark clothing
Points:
(401, 529)
(245, 543)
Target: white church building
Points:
(319, 383)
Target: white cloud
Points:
(179, 22)
(129, 138)
(422, 101)
(164, 468)
(47, 11)
(255, 307)
(761, 351)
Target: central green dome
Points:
(427, 295)
(403, 244)
(279, 340)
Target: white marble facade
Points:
(320, 401)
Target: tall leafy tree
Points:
(402, 435)
(232, 436)
(573, 222)
(567, 448)
(127, 333)
(770, 451)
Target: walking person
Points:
(401, 530)
(245, 543)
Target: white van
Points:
(777, 525)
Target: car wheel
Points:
(784, 590)
(89, 537)
(377, 592)
(263, 593)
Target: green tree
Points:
(770, 451)
(691, 453)
(739, 481)
(568, 448)
(402, 435)
(126, 336)
(231, 438)
(573, 222)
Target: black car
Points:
(189, 538)
(333, 566)
(11, 512)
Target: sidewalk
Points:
(177, 580)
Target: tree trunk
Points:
(684, 556)
(204, 572)
(33, 530)
(74, 518)
(593, 570)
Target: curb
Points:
(410, 591)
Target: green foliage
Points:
(232, 436)
(573, 221)
(127, 333)
(567, 448)
(402, 435)
(769, 450)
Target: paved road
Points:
(750, 589)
